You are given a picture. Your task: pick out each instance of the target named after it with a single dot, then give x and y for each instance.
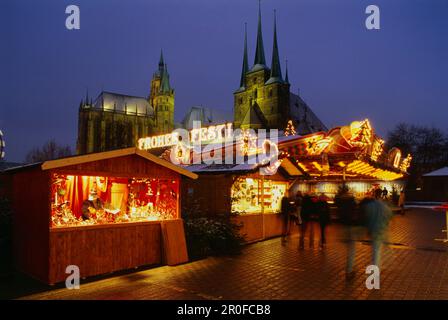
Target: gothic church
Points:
(114, 121)
(263, 100)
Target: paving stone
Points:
(414, 267)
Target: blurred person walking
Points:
(298, 204)
(377, 216)
(401, 201)
(307, 212)
(377, 192)
(349, 216)
(323, 211)
(286, 210)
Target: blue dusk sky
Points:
(343, 71)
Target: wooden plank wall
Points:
(104, 249)
(252, 226)
(31, 222)
(210, 192)
(174, 243)
(273, 224)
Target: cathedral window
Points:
(270, 93)
(255, 93)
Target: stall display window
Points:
(91, 200)
(247, 195)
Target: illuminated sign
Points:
(196, 135)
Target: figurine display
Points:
(142, 200)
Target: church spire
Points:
(165, 82)
(259, 53)
(161, 63)
(286, 72)
(276, 71)
(245, 67)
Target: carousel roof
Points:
(286, 164)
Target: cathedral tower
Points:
(114, 120)
(161, 98)
(262, 101)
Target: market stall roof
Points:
(221, 168)
(442, 172)
(52, 164)
(4, 165)
(286, 164)
(74, 160)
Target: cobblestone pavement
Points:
(414, 267)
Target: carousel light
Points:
(406, 163)
(317, 165)
(302, 166)
(377, 149)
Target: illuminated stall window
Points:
(247, 195)
(91, 200)
(359, 189)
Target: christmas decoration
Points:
(290, 130)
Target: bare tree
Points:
(427, 145)
(402, 137)
(49, 151)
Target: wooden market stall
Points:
(102, 212)
(319, 163)
(241, 189)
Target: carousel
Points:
(352, 155)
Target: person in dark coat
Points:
(323, 211)
(384, 193)
(285, 212)
(377, 217)
(307, 213)
(378, 193)
(349, 216)
(298, 207)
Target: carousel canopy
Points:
(352, 151)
